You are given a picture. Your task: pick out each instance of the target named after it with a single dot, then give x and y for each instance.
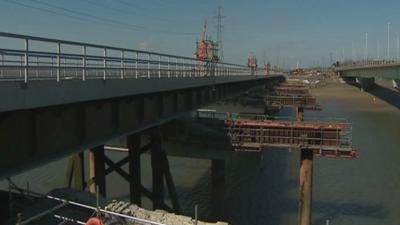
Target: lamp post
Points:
(388, 41)
(366, 47)
(397, 47)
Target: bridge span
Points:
(365, 73)
(61, 97)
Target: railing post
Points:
(169, 71)
(51, 70)
(26, 60)
(37, 67)
(176, 67)
(190, 70)
(122, 64)
(84, 62)
(136, 65)
(148, 66)
(58, 60)
(105, 64)
(2, 63)
(159, 66)
(183, 68)
(194, 69)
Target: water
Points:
(263, 188)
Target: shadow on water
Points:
(386, 94)
(255, 185)
(334, 210)
(264, 191)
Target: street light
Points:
(378, 49)
(398, 46)
(388, 41)
(366, 47)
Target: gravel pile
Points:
(159, 216)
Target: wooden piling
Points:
(133, 143)
(97, 176)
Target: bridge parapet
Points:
(37, 58)
(369, 64)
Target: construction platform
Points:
(306, 101)
(329, 139)
(287, 90)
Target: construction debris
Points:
(159, 216)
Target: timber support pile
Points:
(100, 165)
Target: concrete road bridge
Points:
(364, 73)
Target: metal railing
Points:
(368, 64)
(93, 61)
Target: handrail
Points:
(367, 64)
(58, 64)
(75, 43)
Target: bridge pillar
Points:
(306, 178)
(160, 170)
(396, 83)
(133, 144)
(305, 192)
(157, 171)
(75, 172)
(97, 175)
(217, 187)
(365, 83)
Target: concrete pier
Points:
(305, 189)
(365, 83)
(306, 178)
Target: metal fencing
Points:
(57, 62)
(368, 64)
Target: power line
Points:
(78, 18)
(86, 14)
(93, 18)
(128, 12)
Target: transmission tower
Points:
(220, 17)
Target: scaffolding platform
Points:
(328, 139)
(285, 91)
(305, 101)
(292, 84)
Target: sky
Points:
(286, 32)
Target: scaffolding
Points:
(286, 90)
(306, 101)
(329, 139)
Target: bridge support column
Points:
(305, 191)
(218, 187)
(97, 175)
(160, 169)
(133, 143)
(365, 83)
(396, 83)
(76, 172)
(306, 178)
(157, 171)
